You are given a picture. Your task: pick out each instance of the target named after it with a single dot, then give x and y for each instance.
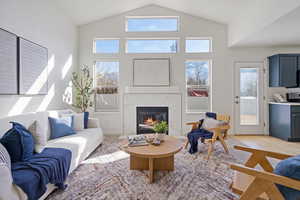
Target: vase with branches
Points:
(83, 83)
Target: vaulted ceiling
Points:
(250, 22)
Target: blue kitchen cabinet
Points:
(283, 70)
(284, 120)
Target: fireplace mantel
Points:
(152, 90)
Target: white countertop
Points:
(286, 103)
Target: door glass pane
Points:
(249, 96)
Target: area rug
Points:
(106, 175)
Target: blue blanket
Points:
(194, 135)
(50, 166)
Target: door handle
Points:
(236, 102)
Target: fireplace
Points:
(146, 117)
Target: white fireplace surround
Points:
(152, 97)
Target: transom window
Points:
(152, 46)
(151, 24)
(198, 85)
(197, 45)
(106, 76)
(106, 46)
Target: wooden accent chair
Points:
(219, 133)
(252, 184)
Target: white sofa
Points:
(81, 145)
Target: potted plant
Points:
(161, 129)
(83, 83)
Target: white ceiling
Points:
(247, 19)
(283, 32)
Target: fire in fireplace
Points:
(147, 117)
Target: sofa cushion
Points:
(81, 144)
(289, 167)
(56, 114)
(19, 143)
(26, 120)
(78, 120)
(61, 127)
(39, 137)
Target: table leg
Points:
(151, 168)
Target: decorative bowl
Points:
(160, 136)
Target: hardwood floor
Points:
(270, 144)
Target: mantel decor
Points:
(153, 72)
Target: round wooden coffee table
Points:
(152, 157)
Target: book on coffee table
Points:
(137, 140)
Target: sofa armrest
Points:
(8, 189)
(93, 123)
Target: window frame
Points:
(95, 85)
(94, 46)
(152, 17)
(199, 38)
(177, 39)
(209, 86)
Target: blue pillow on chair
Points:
(211, 115)
(289, 167)
(61, 127)
(18, 142)
(207, 114)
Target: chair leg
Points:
(224, 144)
(186, 144)
(210, 148)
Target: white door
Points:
(248, 99)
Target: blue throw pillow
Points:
(290, 168)
(61, 127)
(18, 142)
(85, 119)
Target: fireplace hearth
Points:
(147, 117)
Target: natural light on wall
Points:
(47, 99)
(42, 79)
(68, 94)
(23, 102)
(66, 68)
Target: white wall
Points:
(42, 23)
(223, 59)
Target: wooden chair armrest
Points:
(193, 123)
(271, 154)
(274, 178)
